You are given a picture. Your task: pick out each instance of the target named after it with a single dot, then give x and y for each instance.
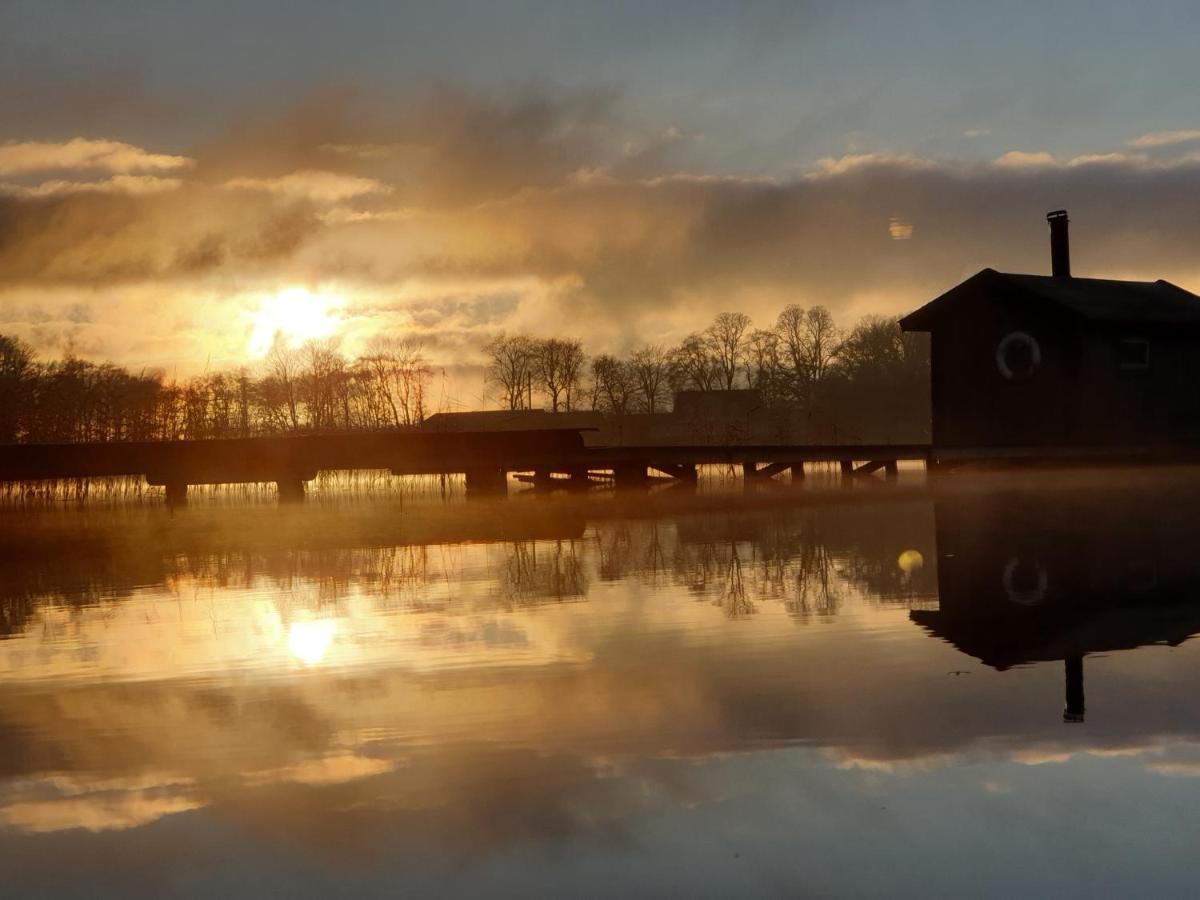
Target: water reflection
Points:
(513, 696)
(1030, 576)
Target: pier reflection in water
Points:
(639, 694)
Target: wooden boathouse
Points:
(1054, 366)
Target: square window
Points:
(1133, 353)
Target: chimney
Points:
(1060, 244)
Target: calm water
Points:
(984, 688)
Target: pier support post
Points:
(177, 492)
(685, 472)
(749, 470)
(291, 490)
(1074, 709)
(798, 471)
(847, 468)
(630, 475)
(482, 481)
(891, 469)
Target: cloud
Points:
(976, 132)
(1165, 138)
(117, 237)
(83, 154)
(116, 184)
(1019, 159)
(537, 198)
(1102, 159)
(831, 166)
(366, 151)
(102, 813)
(320, 187)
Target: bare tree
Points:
(726, 342)
(876, 349)
(511, 369)
(558, 366)
(651, 369)
(322, 382)
(237, 386)
(16, 369)
(573, 362)
(613, 385)
(762, 363)
(396, 377)
(691, 365)
(823, 340)
(281, 388)
(808, 346)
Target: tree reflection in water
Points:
(533, 574)
(810, 558)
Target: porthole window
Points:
(1018, 356)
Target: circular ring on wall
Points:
(1018, 355)
(1020, 594)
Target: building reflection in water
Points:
(1031, 576)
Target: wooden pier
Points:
(634, 465)
(545, 457)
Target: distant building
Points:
(492, 420)
(698, 417)
(1054, 361)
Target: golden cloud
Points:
(1020, 159)
(83, 154)
(318, 186)
(517, 208)
(94, 812)
(115, 184)
(1166, 138)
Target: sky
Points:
(181, 182)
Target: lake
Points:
(977, 686)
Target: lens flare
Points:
(910, 561)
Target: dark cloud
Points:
(102, 239)
(626, 244)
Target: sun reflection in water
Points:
(309, 641)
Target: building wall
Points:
(1159, 405)
(974, 406)
(1079, 396)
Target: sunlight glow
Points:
(309, 641)
(295, 315)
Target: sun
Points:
(295, 315)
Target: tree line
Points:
(804, 361)
(309, 388)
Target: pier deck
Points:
(485, 458)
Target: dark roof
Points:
(1093, 299)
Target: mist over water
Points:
(978, 684)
